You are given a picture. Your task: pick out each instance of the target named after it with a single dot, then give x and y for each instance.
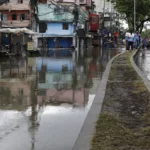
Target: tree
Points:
(126, 7)
(146, 33)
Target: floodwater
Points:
(143, 62)
(44, 101)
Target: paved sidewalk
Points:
(86, 134)
(87, 131)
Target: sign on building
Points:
(30, 46)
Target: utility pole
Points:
(104, 7)
(0, 27)
(33, 7)
(104, 11)
(0, 20)
(134, 15)
(76, 18)
(111, 18)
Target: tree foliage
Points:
(146, 33)
(126, 7)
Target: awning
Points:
(18, 30)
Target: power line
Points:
(62, 7)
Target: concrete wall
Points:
(56, 29)
(8, 22)
(14, 5)
(18, 13)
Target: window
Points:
(22, 17)
(20, 1)
(42, 27)
(14, 17)
(4, 17)
(65, 26)
(20, 91)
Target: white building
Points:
(103, 5)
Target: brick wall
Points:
(18, 13)
(9, 22)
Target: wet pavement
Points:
(143, 62)
(44, 101)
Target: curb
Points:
(83, 141)
(143, 77)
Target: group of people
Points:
(110, 40)
(133, 40)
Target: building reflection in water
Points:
(57, 80)
(33, 83)
(60, 82)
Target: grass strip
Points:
(124, 123)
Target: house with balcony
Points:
(14, 14)
(58, 25)
(58, 21)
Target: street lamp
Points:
(134, 15)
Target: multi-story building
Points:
(103, 6)
(60, 20)
(111, 17)
(55, 25)
(14, 14)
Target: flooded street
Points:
(143, 62)
(45, 100)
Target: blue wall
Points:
(54, 64)
(56, 29)
(61, 42)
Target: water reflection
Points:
(53, 81)
(143, 62)
(33, 87)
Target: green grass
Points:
(124, 123)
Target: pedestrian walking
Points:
(137, 39)
(130, 41)
(144, 43)
(105, 32)
(116, 37)
(109, 43)
(126, 39)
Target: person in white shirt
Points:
(131, 41)
(126, 38)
